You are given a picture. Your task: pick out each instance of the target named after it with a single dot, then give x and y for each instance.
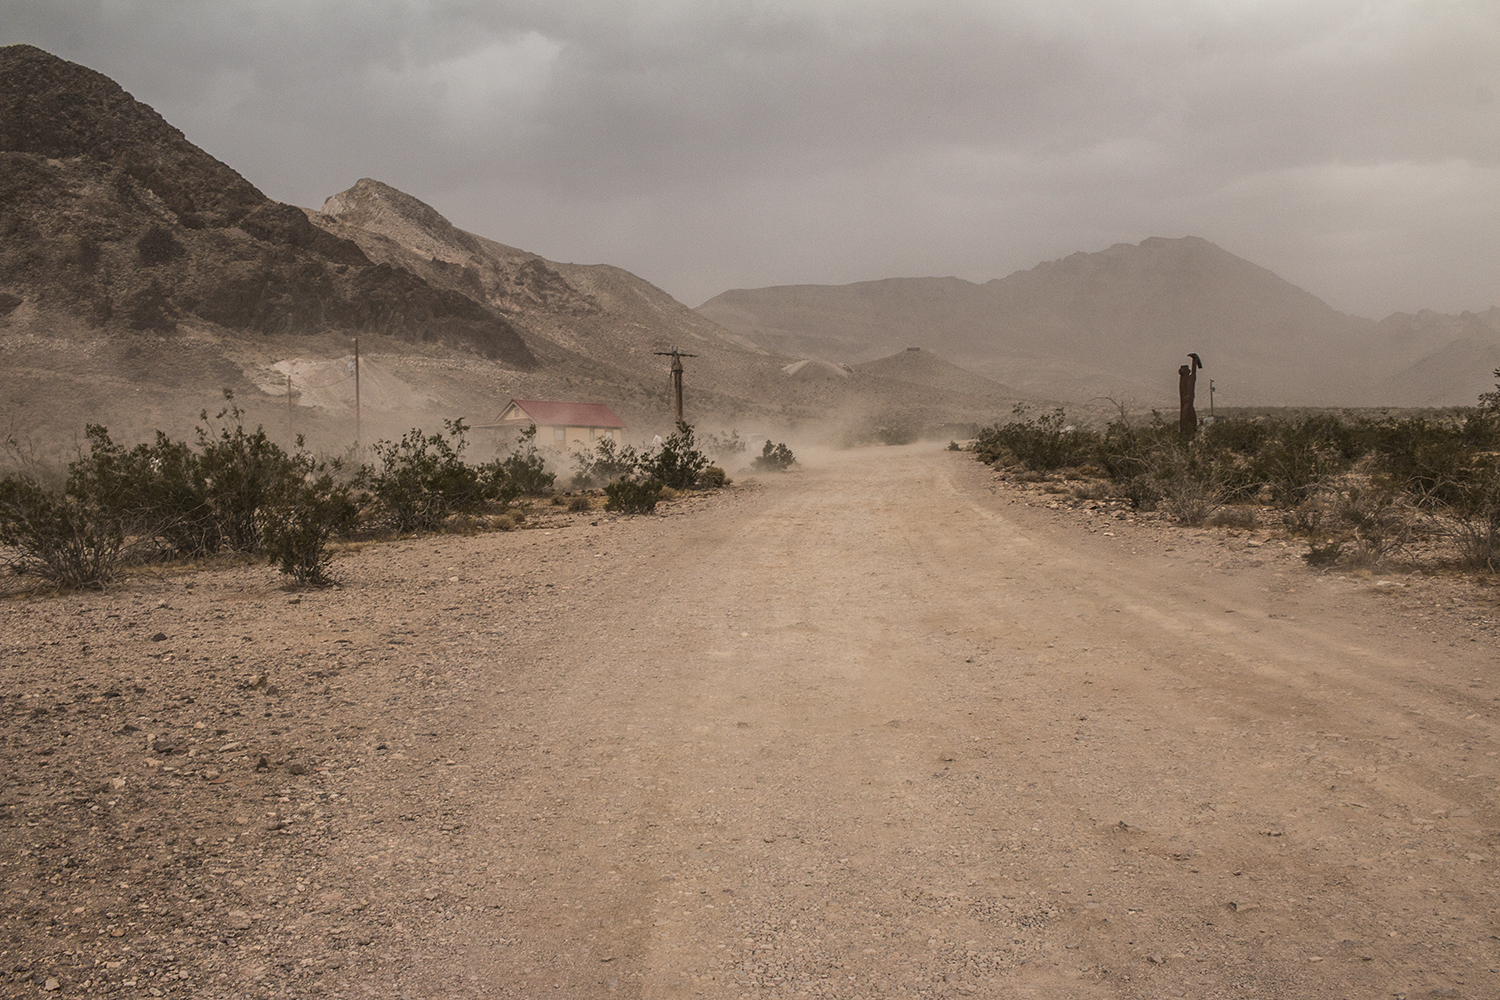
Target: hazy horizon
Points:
(1352, 148)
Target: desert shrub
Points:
(64, 537)
(1475, 513)
(1233, 517)
(1299, 456)
(524, 470)
(422, 479)
(1189, 496)
(630, 496)
(1094, 489)
(237, 473)
(1381, 520)
(302, 519)
(1126, 452)
(604, 463)
(724, 446)
(1433, 460)
(713, 478)
(1142, 491)
(1324, 554)
(676, 462)
(1043, 443)
(184, 502)
(155, 492)
(579, 504)
(774, 458)
(897, 434)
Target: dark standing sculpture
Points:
(1187, 386)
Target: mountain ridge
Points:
(1117, 322)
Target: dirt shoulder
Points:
(884, 726)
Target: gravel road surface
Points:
(881, 728)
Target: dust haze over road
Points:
(875, 731)
(879, 728)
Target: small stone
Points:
(237, 920)
(297, 768)
(51, 984)
(117, 783)
(1242, 907)
(159, 637)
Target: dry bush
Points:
(1189, 499)
(1232, 516)
(1096, 489)
(1383, 521)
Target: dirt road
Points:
(877, 729)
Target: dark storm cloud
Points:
(1352, 147)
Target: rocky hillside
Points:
(1119, 322)
(110, 214)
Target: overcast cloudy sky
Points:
(1352, 147)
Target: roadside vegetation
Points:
(234, 492)
(1362, 491)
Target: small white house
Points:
(563, 426)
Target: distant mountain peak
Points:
(412, 223)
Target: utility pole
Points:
(676, 357)
(291, 432)
(358, 429)
(1210, 398)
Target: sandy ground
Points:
(882, 728)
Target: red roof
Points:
(549, 413)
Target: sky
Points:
(1351, 147)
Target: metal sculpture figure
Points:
(1187, 386)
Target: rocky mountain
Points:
(112, 215)
(1118, 322)
(140, 276)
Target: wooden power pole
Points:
(358, 430)
(676, 357)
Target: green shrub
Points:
(713, 478)
(604, 463)
(421, 480)
(677, 462)
(237, 473)
(774, 458)
(1042, 443)
(65, 538)
(302, 519)
(524, 470)
(187, 503)
(630, 496)
(724, 446)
